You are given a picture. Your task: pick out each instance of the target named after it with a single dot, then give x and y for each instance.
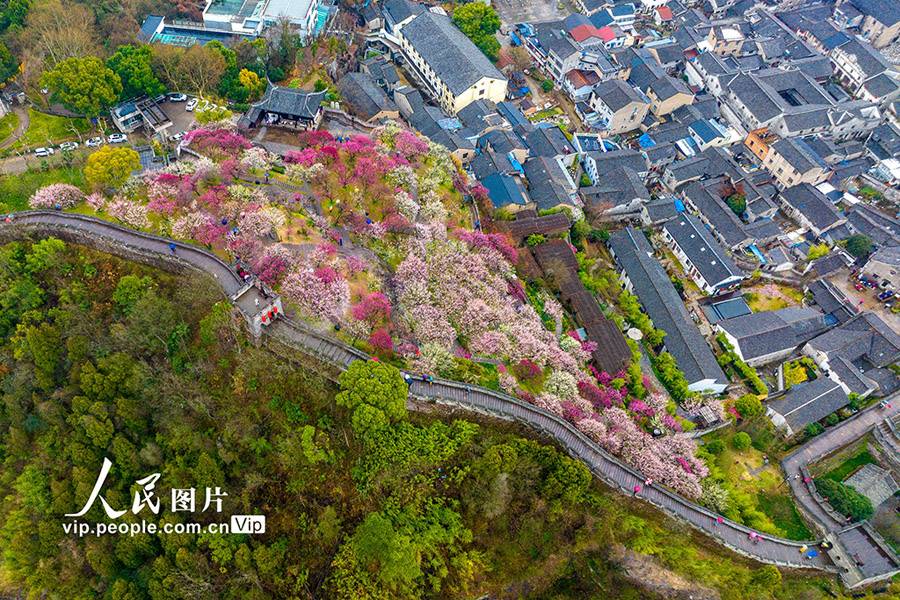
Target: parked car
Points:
(160, 99)
(178, 137)
(177, 97)
(94, 142)
(191, 105)
(117, 138)
(43, 151)
(68, 146)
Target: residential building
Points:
(811, 209)
(667, 95)
(806, 403)
(773, 335)
(621, 107)
(725, 40)
(883, 266)
(856, 354)
(507, 192)
(855, 62)
(398, 13)
(366, 98)
(598, 163)
(141, 112)
(288, 107)
(549, 183)
(792, 162)
(868, 220)
(701, 256)
(456, 71)
(643, 275)
(880, 20)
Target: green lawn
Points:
(16, 189)
(758, 303)
(840, 472)
(8, 125)
(49, 129)
(781, 510)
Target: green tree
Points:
(111, 167)
(817, 252)
(132, 65)
(715, 447)
(395, 553)
(737, 203)
(767, 577)
(749, 406)
(534, 239)
(845, 499)
(16, 11)
(9, 66)
(129, 290)
(83, 85)
(740, 440)
(479, 22)
(375, 393)
(546, 85)
(859, 244)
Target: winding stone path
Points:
(153, 249)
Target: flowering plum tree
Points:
(62, 195)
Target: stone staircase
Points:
(886, 434)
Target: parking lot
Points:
(520, 11)
(865, 300)
(181, 119)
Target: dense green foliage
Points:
(132, 65)
(845, 499)
(99, 358)
(479, 21)
(83, 85)
(859, 244)
(748, 406)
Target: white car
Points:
(68, 146)
(94, 142)
(191, 105)
(43, 151)
(177, 97)
(117, 138)
(178, 137)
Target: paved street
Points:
(848, 431)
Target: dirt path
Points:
(24, 122)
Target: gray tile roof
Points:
(548, 141)
(813, 205)
(874, 483)
(870, 60)
(872, 222)
(888, 256)
(667, 87)
(400, 10)
(290, 101)
(810, 402)
(865, 338)
(664, 306)
(881, 85)
(798, 154)
(887, 12)
(707, 256)
(450, 54)
(616, 94)
(545, 183)
(366, 98)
